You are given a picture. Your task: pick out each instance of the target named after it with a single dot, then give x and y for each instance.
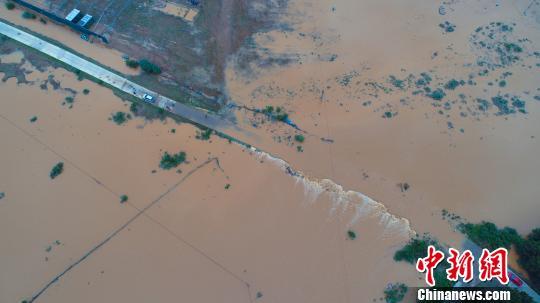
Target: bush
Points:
(528, 250)
(10, 6)
(149, 67)
(28, 15)
(204, 135)
(132, 63)
(56, 170)
(69, 100)
(452, 84)
(395, 292)
(437, 94)
(86, 91)
(299, 138)
(487, 235)
(415, 249)
(351, 234)
(120, 118)
(33, 119)
(519, 296)
(169, 161)
(123, 198)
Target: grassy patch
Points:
(169, 161)
(57, 170)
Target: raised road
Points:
(196, 115)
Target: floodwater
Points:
(338, 85)
(233, 225)
(229, 220)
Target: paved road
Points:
(477, 252)
(196, 115)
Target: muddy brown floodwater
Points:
(233, 225)
(239, 225)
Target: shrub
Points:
(519, 296)
(10, 6)
(351, 234)
(132, 63)
(169, 161)
(33, 119)
(395, 292)
(227, 186)
(86, 91)
(69, 100)
(299, 138)
(204, 135)
(123, 198)
(120, 118)
(528, 250)
(487, 235)
(149, 67)
(28, 15)
(57, 170)
(452, 84)
(269, 109)
(437, 94)
(416, 248)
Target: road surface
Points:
(196, 115)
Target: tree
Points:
(149, 67)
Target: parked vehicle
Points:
(148, 98)
(515, 279)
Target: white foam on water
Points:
(344, 200)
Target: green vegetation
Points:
(10, 5)
(56, 170)
(120, 118)
(86, 91)
(528, 250)
(277, 113)
(519, 296)
(123, 198)
(69, 100)
(169, 161)
(204, 135)
(299, 138)
(33, 119)
(415, 249)
(452, 84)
(395, 292)
(351, 234)
(487, 235)
(149, 67)
(227, 186)
(132, 63)
(502, 83)
(437, 94)
(28, 15)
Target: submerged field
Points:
(408, 116)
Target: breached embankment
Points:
(344, 200)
